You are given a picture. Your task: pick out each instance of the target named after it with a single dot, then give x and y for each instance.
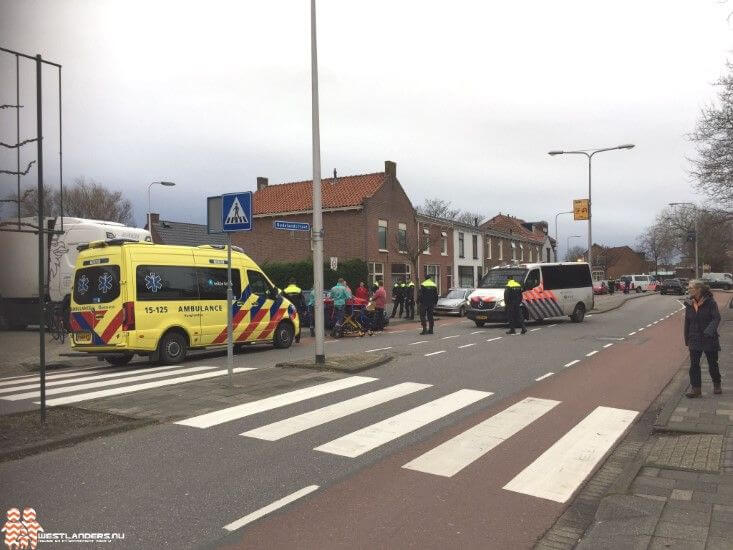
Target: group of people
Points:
(403, 296)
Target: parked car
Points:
(672, 286)
(600, 287)
(719, 280)
(637, 283)
(455, 302)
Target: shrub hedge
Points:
(353, 271)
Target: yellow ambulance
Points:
(161, 300)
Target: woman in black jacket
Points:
(701, 336)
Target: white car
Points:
(549, 290)
(637, 283)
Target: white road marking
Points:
(447, 337)
(24, 379)
(330, 341)
(655, 322)
(544, 376)
(591, 353)
(455, 454)
(588, 316)
(639, 330)
(572, 363)
(88, 378)
(608, 345)
(376, 435)
(552, 325)
(396, 331)
(494, 339)
(477, 332)
(632, 333)
(306, 421)
(249, 518)
(434, 353)
(139, 387)
(650, 324)
(466, 346)
(418, 342)
(253, 407)
(378, 349)
(562, 468)
(36, 393)
(535, 329)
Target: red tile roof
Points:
(298, 196)
(509, 224)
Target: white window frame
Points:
(488, 248)
(443, 243)
(375, 275)
(539, 256)
(514, 251)
(461, 244)
(383, 223)
(435, 272)
(530, 255)
(501, 250)
(401, 227)
(426, 231)
(475, 250)
(521, 252)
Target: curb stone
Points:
(356, 362)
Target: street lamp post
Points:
(589, 154)
(556, 233)
(694, 207)
(567, 249)
(150, 221)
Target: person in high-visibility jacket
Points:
(295, 294)
(398, 297)
(512, 303)
(410, 300)
(427, 297)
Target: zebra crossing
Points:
(86, 384)
(555, 475)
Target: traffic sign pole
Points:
(230, 329)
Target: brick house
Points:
(437, 255)
(367, 216)
(509, 241)
(611, 262)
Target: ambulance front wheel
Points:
(284, 335)
(173, 347)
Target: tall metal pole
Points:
(17, 128)
(317, 209)
(230, 342)
(697, 238)
(41, 242)
(590, 215)
(557, 237)
(150, 220)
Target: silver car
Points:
(455, 302)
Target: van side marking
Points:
(113, 326)
(85, 323)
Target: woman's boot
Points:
(717, 388)
(693, 392)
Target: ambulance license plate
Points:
(83, 337)
(481, 317)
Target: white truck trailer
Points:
(19, 264)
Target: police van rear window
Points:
(97, 285)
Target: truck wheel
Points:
(172, 347)
(119, 360)
(283, 335)
(480, 323)
(578, 314)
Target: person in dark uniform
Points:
(512, 302)
(398, 297)
(295, 294)
(410, 300)
(427, 297)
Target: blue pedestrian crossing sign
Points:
(236, 211)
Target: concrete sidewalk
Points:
(678, 492)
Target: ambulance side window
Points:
(257, 282)
(213, 283)
(166, 282)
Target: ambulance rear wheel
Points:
(173, 347)
(284, 335)
(119, 360)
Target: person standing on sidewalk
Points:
(427, 297)
(513, 303)
(410, 300)
(398, 297)
(339, 294)
(701, 336)
(380, 301)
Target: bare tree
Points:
(657, 242)
(412, 246)
(470, 218)
(83, 199)
(574, 253)
(715, 235)
(438, 208)
(713, 136)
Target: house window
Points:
(443, 243)
(521, 252)
(449, 276)
(539, 254)
(400, 273)
(501, 250)
(465, 276)
(461, 247)
(402, 237)
(426, 241)
(488, 248)
(548, 255)
(474, 243)
(382, 235)
(530, 254)
(434, 272)
(376, 273)
(514, 250)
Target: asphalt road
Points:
(178, 486)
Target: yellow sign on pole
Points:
(580, 209)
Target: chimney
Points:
(335, 175)
(154, 218)
(261, 183)
(390, 169)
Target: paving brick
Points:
(678, 531)
(719, 543)
(662, 543)
(681, 494)
(686, 517)
(679, 474)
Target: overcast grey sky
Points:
(466, 97)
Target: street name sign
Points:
(291, 226)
